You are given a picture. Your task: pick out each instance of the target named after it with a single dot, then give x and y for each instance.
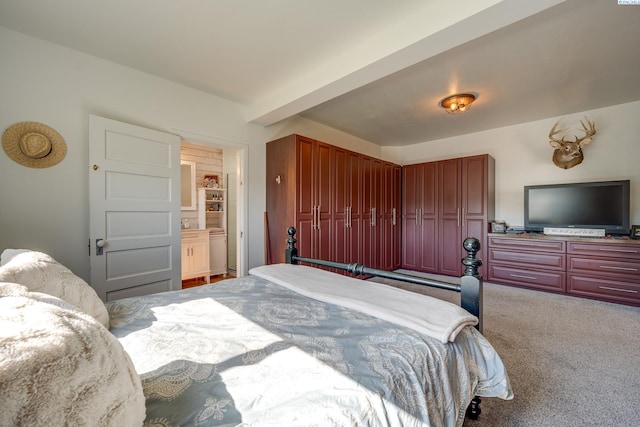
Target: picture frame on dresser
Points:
(498, 227)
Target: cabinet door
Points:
(367, 243)
(218, 254)
(377, 237)
(340, 205)
(313, 216)
(429, 232)
(200, 256)
(419, 217)
(305, 197)
(185, 260)
(390, 226)
(449, 216)
(322, 194)
(477, 202)
(397, 214)
(355, 208)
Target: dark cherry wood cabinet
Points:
(390, 216)
(604, 269)
(420, 217)
(532, 263)
(346, 206)
(449, 241)
(443, 203)
(340, 202)
(610, 271)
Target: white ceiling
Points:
(375, 69)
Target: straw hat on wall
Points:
(34, 145)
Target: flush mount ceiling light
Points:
(458, 103)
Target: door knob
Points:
(99, 245)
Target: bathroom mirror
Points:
(188, 185)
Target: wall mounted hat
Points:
(34, 145)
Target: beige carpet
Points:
(571, 361)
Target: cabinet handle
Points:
(373, 217)
(630, 251)
(417, 216)
(607, 288)
(318, 226)
(611, 267)
(393, 218)
(520, 276)
(349, 217)
(458, 213)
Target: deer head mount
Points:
(568, 154)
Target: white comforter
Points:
(436, 318)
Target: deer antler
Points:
(555, 131)
(588, 131)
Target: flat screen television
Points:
(592, 205)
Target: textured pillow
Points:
(41, 273)
(59, 366)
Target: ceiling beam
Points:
(426, 33)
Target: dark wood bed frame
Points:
(470, 286)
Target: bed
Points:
(255, 351)
(288, 345)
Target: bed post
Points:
(291, 250)
(471, 300)
(471, 280)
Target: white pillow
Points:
(41, 273)
(59, 366)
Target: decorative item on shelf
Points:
(211, 181)
(635, 232)
(458, 103)
(34, 145)
(498, 227)
(568, 154)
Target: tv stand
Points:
(605, 269)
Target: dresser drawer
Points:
(527, 244)
(527, 259)
(548, 281)
(608, 266)
(601, 288)
(631, 251)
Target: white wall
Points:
(48, 209)
(523, 155)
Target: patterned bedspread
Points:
(248, 352)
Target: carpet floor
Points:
(571, 361)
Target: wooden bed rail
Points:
(470, 286)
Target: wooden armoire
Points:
(344, 205)
(443, 203)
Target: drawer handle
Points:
(520, 276)
(516, 258)
(629, 251)
(610, 267)
(607, 288)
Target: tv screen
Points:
(599, 205)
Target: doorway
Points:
(227, 160)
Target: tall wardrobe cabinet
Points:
(443, 203)
(344, 205)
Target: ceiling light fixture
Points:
(458, 103)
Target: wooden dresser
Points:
(606, 269)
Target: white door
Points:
(134, 213)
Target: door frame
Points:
(242, 150)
